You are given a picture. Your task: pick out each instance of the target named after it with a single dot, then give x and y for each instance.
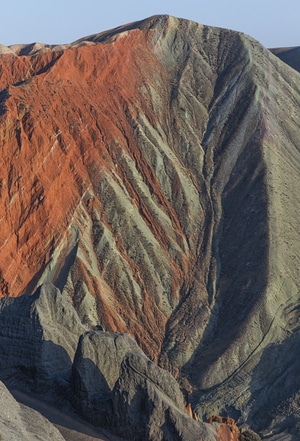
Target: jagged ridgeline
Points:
(151, 174)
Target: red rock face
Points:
(68, 127)
(226, 428)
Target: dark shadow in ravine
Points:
(61, 278)
(275, 388)
(91, 394)
(240, 248)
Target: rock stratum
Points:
(150, 173)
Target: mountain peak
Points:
(148, 172)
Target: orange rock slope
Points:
(71, 163)
(226, 428)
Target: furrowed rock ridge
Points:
(150, 173)
(105, 376)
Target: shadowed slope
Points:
(290, 56)
(21, 422)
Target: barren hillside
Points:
(151, 173)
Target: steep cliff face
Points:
(152, 169)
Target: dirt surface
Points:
(69, 423)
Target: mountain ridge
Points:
(147, 174)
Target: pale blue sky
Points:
(273, 22)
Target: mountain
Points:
(150, 173)
(290, 55)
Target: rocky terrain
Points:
(106, 377)
(150, 174)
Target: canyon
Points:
(148, 192)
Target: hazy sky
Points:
(273, 22)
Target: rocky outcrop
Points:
(95, 371)
(226, 428)
(149, 172)
(111, 381)
(118, 387)
(38, 339)
(148, 404)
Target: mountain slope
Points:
(290, 56)
(153, 170)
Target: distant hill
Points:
(290, 56)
